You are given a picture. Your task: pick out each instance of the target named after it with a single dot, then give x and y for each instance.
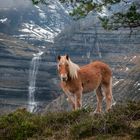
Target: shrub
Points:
(121, 121)
(17, 126)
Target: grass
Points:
(122, 122)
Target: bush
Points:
(123, 121)
(17, 126)
(136, 134)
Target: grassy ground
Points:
(122, 122)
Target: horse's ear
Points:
(58, 57)
(67, 56)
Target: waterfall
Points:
(32, 81)
(97, 43)
(98, 49)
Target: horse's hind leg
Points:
(99, 97)
(108, 95)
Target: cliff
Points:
(86, 41)
(15, 64)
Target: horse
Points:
(75, 81)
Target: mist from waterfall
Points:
(32, 81)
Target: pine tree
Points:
(128, 18)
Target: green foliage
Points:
(123, 121)
(81, 130)
(82, 9)
(35, 2)
(130, 19)
(136, 134)
(111, 1)
(105, 23)
(16, 126)
(115, 122)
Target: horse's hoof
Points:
(95, 113)
(91, 114)
(108, 110)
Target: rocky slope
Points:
(127, 89)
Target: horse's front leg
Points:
(78, 99)
(71, 98)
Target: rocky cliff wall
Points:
(15, 64)
(86, 42)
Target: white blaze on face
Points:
(62, 68)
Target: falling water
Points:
(98, 50)
(32, 81)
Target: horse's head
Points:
(63, 67)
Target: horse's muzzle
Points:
(64, 79)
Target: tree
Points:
(129, 18)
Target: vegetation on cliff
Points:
(129, 18)
(122, 122)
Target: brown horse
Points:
(76, 80)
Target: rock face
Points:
(129, 88)
(15, 63)
(36, 25)
(86, 42)
(15, 59)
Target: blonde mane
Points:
(73, 68)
